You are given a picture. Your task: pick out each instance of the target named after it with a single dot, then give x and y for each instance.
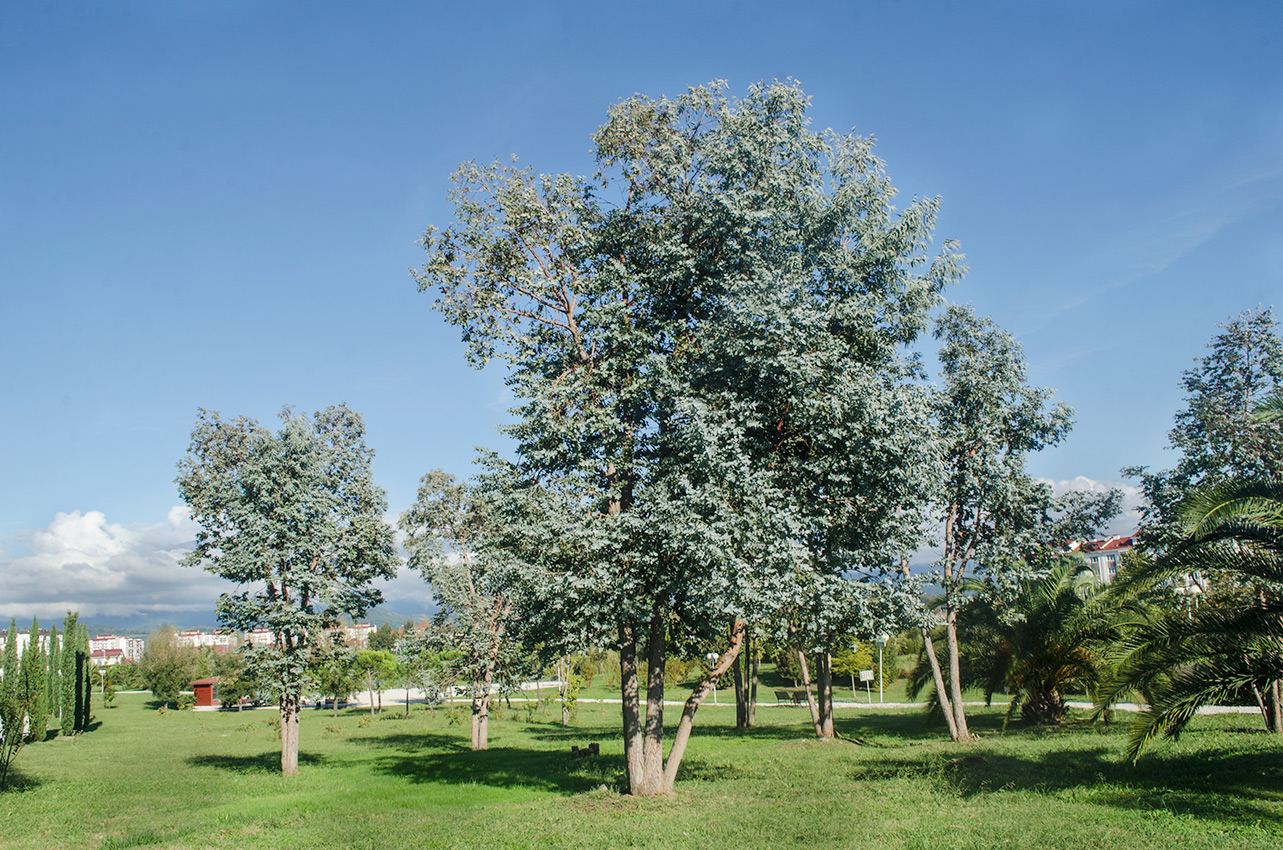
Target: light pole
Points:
(882, 641)
(712, 660)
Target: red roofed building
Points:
(1105, 556)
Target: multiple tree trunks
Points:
(746, 684)
(648, 773)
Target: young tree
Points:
(167, 666)
(378, 666)
(71, 678)
(33, 667)
(672, 328)
(331, 666)
(450, 536)
(53, 681)
(997, 521)
(383, 638)
(85, 688)
(295, 519)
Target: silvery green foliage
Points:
(989, 420)
(295, 521)
(705, 342)
(715, 417)
(452, 538)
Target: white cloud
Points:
(81, 562)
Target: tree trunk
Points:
(741, 693)
(755, 651)
(946, 708)
(631, 699)
(653, 749)
(289, 734)
(826, 694)
(369, 685)
(955, 674)
(693, 703)
(481, 720)
(805, 670)
(1274, 700)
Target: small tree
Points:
(996, 519)
(294, 519)
(70, 678)
(332, 666)
(451, 530)
(377, 666)
(166, 666)
(53, 679)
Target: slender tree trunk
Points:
(631, 699)
(369, 686)
(946, 708)
(805, 670)
(741, 693)
(826, 694)
(1274, 699)
(701, 692)
(289, 733)
(756, 652)
(955, 674)
(653, 751)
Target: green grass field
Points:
(187, 779)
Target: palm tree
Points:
(1037, 648)
(1182, 661)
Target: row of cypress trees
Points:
(54, 682)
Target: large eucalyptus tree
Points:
(704, 340)
(294, 519)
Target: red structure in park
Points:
(204, 690)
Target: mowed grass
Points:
(198, 780)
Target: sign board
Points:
(866, 675)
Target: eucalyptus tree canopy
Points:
(1217, 435)
(294, 519)
(704, 344)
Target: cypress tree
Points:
(86, 676)
(69, 698)
(53, 685)
(34, 666)
(12, 710)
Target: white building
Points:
(197, 638)
(109, 650)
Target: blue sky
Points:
(216, 205)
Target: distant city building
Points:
(198, 638)
(260, 637)
(110, 650)
(23, 637)
(1105, 556)
(358, 634)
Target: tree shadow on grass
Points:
(269, 762)
(427, 757)
(18, 782)
(1227, 786)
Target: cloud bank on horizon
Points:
(109, 571)
(104, 570)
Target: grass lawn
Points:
(187, 779)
